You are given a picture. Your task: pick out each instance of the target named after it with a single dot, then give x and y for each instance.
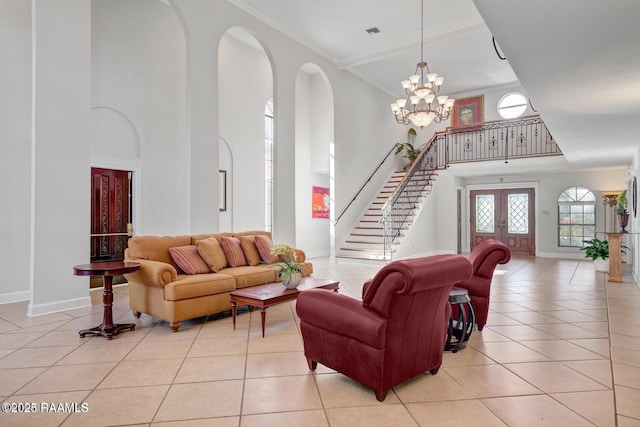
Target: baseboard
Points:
(14, 297)
(321, 254)
(55, 307)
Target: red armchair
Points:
(484, 259)
(395, 333)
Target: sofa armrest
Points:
(152, 273)
(341, 315)
(300, 255)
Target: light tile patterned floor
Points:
(561, 348)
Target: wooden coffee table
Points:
(263, 297)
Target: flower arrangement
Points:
(288, 260)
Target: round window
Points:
(512, 105)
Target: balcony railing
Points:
(498, 140)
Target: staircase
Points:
(366, 239)
(381, 227)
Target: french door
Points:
(507, 215)
(110, 213)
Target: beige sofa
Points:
(162, 290)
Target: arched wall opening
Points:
(139, 107)
(314, 139)
(245, 82)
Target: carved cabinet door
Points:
(110, 213)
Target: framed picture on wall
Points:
(222, 190)
(468, 111)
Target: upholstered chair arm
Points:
(365, 287)
(152, 273)
(341, 315)
(301, 256)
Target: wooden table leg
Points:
(107, 328)
(234, 308)
(263, 315)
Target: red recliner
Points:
(484, 259)
(395, 333)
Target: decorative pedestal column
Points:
(615, 262)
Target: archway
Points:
(314, 139)
(245, 82)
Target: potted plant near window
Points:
(621, 210)
(598, 251)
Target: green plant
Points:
(411, 152)
(596, 248)
(288, 260)
(623, 203)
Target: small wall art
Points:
(320, 206)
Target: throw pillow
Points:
(249, 248)
(189, 260)
(233, 251)
(212, 253)
(264, 246)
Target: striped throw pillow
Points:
(264, 245)
(189, 260)
(233, 251)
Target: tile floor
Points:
(561, 348)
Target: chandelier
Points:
(422, 104)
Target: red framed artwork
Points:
(468, 111)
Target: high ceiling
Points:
(578, 60)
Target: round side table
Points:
(461, 321)
(107, 270)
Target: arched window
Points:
(576, 217)
(268, 165)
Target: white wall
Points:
(139, 75)
(245, 85)
(59, 166)
(314, 132)
(15, 148)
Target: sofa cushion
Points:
(233, 251)
(212, 253)
(155, 248)
(250, 276)
(251, 254)
(218, 236)
(189, 260)
(264, 244)
(198, 285)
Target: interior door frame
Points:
(136, 189)
(502, 186)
